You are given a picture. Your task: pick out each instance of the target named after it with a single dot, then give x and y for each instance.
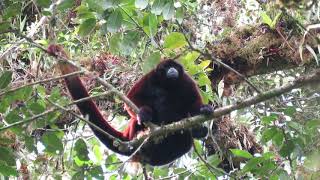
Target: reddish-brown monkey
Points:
(164, 95)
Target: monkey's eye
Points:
(172, 73)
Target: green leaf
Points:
(168, 11)
(266, 19)
(150, 24)
(205, 64)
(87, 26)
(188, 60)
(114, 21)
(44, 3)
(129, 42)
(160, 172)
(97, 153)
(141, 4)
(55, 94)
(42, 91)
(276, 20)
(151, 62)
(269, 119)
(7, 170)
(115, 43)
(13, 117)
(278, 138)
(7, 156)
(81, 150)
(203, 79)
(12, 10)
(241, 153)
(24, 93)
(110, 162)
(268, 134)
(252, 164)
(83, 12)
(268, 155)
(175, 40)
(65, 4)
(111, 3)
(313, 124)
(4, 26)
(52, 143)
(180, 14)
(5, 79)
(96, 6)
(30, 143)
(96, 172)
(287, 148)
(157, 7)
(214, 160)
(78, 175)
(289, 111)
(38, 106)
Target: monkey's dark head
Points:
(169, 71)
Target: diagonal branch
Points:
(192, 121)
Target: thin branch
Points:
(82, 119)
(204, 161)
(209, 166)
(28, 120)
(140, 28)
(118, 93)
(218, 61)
(31, 32)
(41, 81)
(35, 117)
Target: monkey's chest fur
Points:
(167, 107)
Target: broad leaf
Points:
(87, 26)
(241, 153)
(141, 4)
(175, 40)
(5, 79)
(114, 21)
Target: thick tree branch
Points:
(190, 122)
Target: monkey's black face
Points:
(169, 71)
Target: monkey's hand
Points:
(199, 132)
(144, 115)
(206, 109)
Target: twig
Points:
(32, 31)
(118, 93)
(204, 161)
(141, 29)
(209, 166)
(218, 61)
(41, 81)
(35, 117)
(82, 119)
